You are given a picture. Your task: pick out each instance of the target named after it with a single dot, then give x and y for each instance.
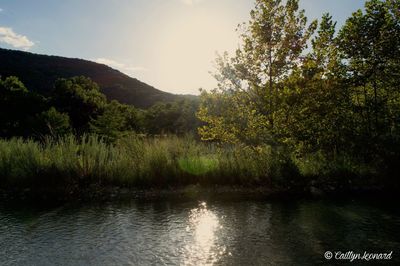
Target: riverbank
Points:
(189, 193)
(89, 168)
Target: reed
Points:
(73, 164)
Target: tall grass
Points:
(72, 164)
(131, 161)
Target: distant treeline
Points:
(77, 106)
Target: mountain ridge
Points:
(38, 72)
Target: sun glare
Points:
(204, 250)
(187, 46)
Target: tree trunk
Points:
(271, 104)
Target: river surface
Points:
(162, 232)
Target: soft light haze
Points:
(170, 44)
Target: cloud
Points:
(127, 69)
(190, 2)
(8, 36)
(1, 10)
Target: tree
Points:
(175, 118)
(110, 124)
(133, 118)
(81, 99)
(316, 107)
(18, 106)
(252, 82)
(370, 42)
(52, 123)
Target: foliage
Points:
(370, 42)
(340, 98)
(18, 107)
(172, 118)
(80, 98)
(251, 84)
(76, 105)
(52, 123)
(116, 120)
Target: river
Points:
(164, 232)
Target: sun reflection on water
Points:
(204, 248)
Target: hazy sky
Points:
(170, 44)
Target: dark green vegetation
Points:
(39, 72)
(339, 100)
(70, 164)
(77, 106)
(283, 116)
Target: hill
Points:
(38, 73)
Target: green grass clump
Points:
(198, 165)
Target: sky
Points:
(169, 44)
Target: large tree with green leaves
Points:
(81, 99)
(172, 118)
(18, 107)
(370, 42)
(316, 105)
(51, 123)
(116, 120)
(251, 84)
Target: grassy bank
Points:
(71, 165)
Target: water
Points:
(198, 233)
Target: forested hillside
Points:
(39, 73)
